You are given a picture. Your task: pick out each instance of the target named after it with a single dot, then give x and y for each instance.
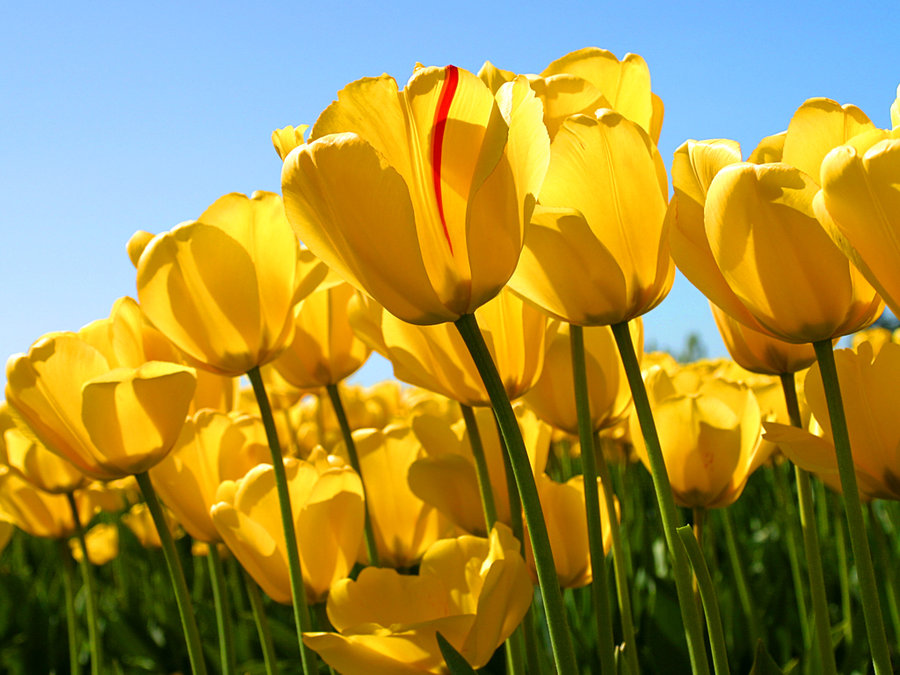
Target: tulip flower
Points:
(327, 506)
(286, 139)
(473, 591)
(102, 543)
(858, 206)
(441, 176)
(324, 350)
(777, 259)
(436, 358)
(23, 452)
(868, 384)
(445, 477)
(39, 513)
(213, 447)
(109, 423)
(223, 287)
(140, 521)
(710, 438)
(596, 253)
(553, 396)
(756, 351)
(564, 508)
(404, 526)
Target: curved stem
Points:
(298, 592)
(683, 578)
(859, 543)
(176, 575)
(884, 560)
(481, 467)
(223, 610)
(335, 397)
(821, 617)
(620, 566)
(708, 596)
(560, 638)
(262, 623)
(71, 619)
(599, 583)
(87, 578)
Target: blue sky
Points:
(116, 117)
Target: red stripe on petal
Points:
(440, 122)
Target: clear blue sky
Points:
(122, 116)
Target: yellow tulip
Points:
(564, 510)
(222, 288)
(869, 390)
(404, 525)
(436, 358)
(877, 336)
(625, 84)
(39, 513)
(328, 512)
(324, 350)
(213, 447)
(756, 351)
(139, 520)
(444, 475)
(109, 423)
(473, 591)
(858, 206)
(710, 435)
(777, 259)
(420, 197)
(553, 396)
(287, 139)
(23, 452)
(596, 252)
(102, 542)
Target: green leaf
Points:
(763, 664)
(455, 662)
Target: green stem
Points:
(71, 619)
(868, 588)
(481, 467)
(298, 592)
(840, 546)
(811, 545)
(683, 578)
(262, 623)
(794, 540)
(620, 567)
(599, 584)
(223, 610)
(740, 577)
(176, 575)
(336, 403)
(87, 578)
(708, 596)
(560, 638)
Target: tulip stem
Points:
(821, 617)
(223, 610)
(884, 560)
(71, 619)
(481, 467)
(560, 638)
(620, 567)
(599, 583)
(87, 578)
(262, 623)
(708, 597)
(859, 543)
(176, 575)
(298, 592)
(664, 498)
(336, 403)
(740, 576)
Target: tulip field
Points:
(190, 484)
